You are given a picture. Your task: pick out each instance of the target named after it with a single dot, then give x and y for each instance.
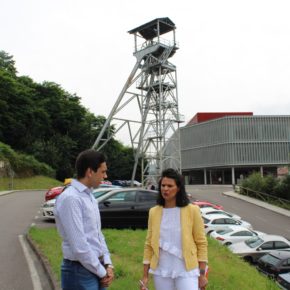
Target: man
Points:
(86, 264)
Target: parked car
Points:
(203, 203)
(274, 263)
(107, 185)
(119, 182)
(209, 210)
(53, 192)
(107, 182)
(283, 281)
(232, 235)
(254, 248)
(47, 208)
(215, 222)
(126, 207)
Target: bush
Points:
(254, 181)
(24, 165)
(268, 184)
(282, 188)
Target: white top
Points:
(171, 263)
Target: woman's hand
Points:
(144, 283)
(202, 282)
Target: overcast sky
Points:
(233, 56)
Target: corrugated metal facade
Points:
(236, 141)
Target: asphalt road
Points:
(18, 211)
(262, 219)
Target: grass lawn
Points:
(35, 182)
(227, 271)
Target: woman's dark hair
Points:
(181, 196)
(88, 159)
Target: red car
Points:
(53, 192)
(203, 203)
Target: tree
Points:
(7, 63)
(120, 160)
(49, 123)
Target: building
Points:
(226, 147)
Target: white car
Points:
(214, 222)
(233, 235)
(252, 249)
(47, 208)
(208, 210)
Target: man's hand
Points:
(108, 279)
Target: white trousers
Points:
(179, 283)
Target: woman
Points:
(175, 249)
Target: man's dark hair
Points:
(181, 196)
(88, 159)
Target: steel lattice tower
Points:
(151, 91)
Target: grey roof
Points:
(149, 29)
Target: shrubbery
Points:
(23, 165)
(279, 187)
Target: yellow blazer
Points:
(194, 242)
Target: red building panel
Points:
(202, 117)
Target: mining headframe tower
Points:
(150, 92)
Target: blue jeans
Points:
(74, 276)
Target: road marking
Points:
(36, 217)
(32, 225)
(33, 272)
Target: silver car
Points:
(254, 248)
(214, 222)
(208, 210)
(233, 235)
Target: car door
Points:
(263, 249)
(145, 200)
(231, 222)
(241, 236)
(285, 267)
(217, 224)
(118, 210)
(280, 245)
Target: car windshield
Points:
(254, 242)
(270, 259)
(224, 231)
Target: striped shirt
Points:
(78, 221)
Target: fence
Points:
(281, 202)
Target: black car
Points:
(283, 281)
(126, 208)
(274, 263)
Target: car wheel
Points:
(228, 244)
(272, 277)
(209, 233)
(249, 259)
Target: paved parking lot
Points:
(262, 219)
